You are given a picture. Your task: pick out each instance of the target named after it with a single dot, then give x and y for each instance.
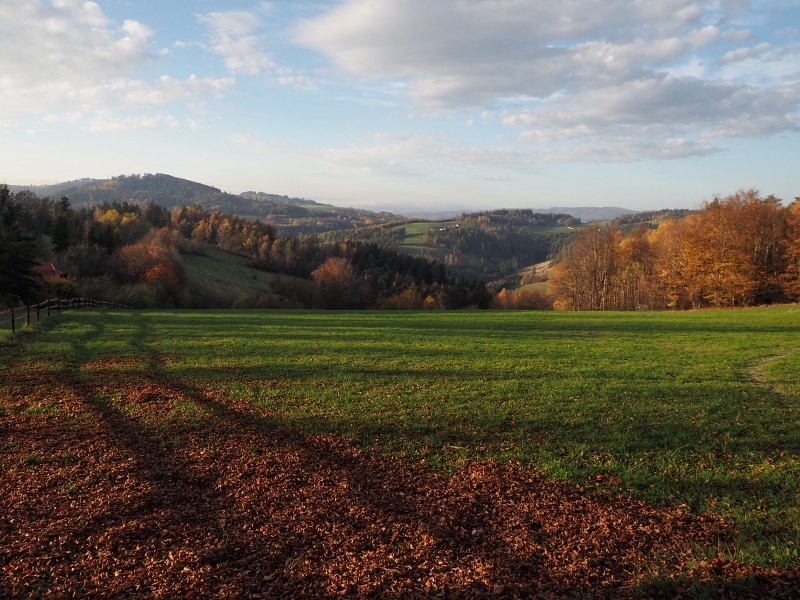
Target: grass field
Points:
(697, 410)
(415, 231)
(223, 277)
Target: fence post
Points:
(29, 314)
(38, 306)
(13, 327)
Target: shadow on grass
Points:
(296, 538)
(267, 508)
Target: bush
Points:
(522, 300)
(61, 287)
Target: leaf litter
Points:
(105, 496)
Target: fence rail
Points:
(23, 315)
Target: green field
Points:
(695, 409)
(415, 231)
(224, 278)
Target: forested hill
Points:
(291, 216)
(164, 190)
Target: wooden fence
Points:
(23, 315)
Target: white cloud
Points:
(234, 35)
(142, 123)
(741, 54)
(623, 78)
(470, 53)
(66, 42)
(68, 61)
(289, 77)
(736, 36)
(166, 89)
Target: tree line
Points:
(133, 253)
(740, 250)
(494, 244)
(289, 216)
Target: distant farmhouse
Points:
(49, 271)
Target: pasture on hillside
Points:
(254, 453)
(222, 278)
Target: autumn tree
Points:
(337, 285)
(532, 299)
(728, 254)
(678, 282)
(790, 279)
(584, 279)
(135, 260)
(764, 224)
(635, 272)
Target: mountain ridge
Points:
(88, 191)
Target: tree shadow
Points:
(234, 504)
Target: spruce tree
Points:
(18, 280)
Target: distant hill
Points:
(170, 191)
(55, 189)
(586, 214)
(650, 218)
(486, 245)
(291, 216)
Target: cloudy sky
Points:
(393, 104)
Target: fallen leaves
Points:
(232, 508)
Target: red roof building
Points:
(48, 271)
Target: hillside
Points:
(291, 216)
(55, 189)
(587, 214)
(477, 246)
(488, 246)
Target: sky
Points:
(409, 104)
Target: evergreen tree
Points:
(18, 280)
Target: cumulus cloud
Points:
(67, 42)
(736, 36)
(744, 53)
(468, 53)
(69, 61)
(234, 35)
(621, 77)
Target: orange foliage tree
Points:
(584, 279)
(790, 279)
(338, 285)
(739, 250)
(727, 254)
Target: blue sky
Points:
(409, 104)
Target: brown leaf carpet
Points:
(102, 495)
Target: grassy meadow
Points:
(695, 409)
(223, 277)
